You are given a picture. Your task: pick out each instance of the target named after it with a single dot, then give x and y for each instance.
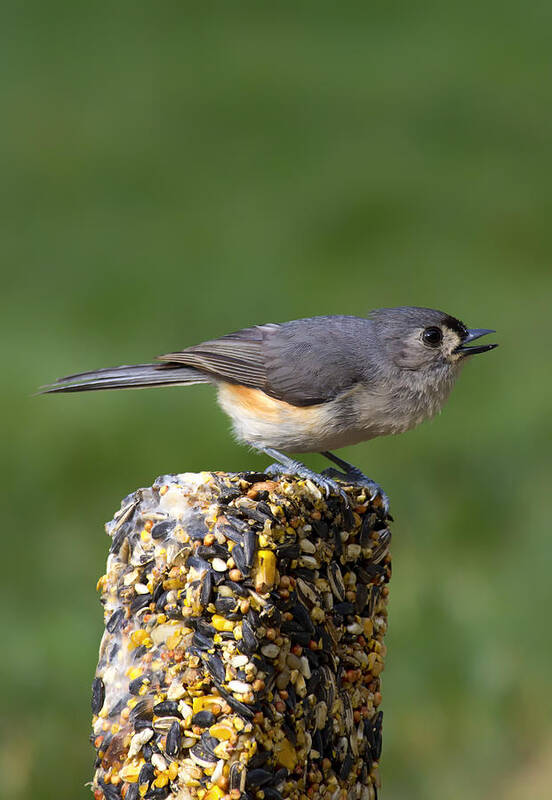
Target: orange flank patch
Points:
(255, 401)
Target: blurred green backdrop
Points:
(175, 171)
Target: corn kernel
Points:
(205, 702)
(214, 793)
(221, 731)
(221, 624)
(265, 571)
(285, 754)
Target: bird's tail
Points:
(137, 376)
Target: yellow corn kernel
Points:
(214, 793)
(131, 771)
(161, 780)
(265, 571)
(173, 770)
(368, 627)
(221, 624)
(222, 731)
(138, 637)
(205, 702)
(285, 754)
(134, 672)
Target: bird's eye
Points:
(432, 337)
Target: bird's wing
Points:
(303, 362)
(237, 357)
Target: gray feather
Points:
(137, 376)
(304, 362)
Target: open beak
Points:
(473, 334)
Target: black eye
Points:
(432, 337)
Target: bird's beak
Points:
(473, 334)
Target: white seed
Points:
(305, 667)
(355, 627)
(219, 565)
(218, 771)
(239, 686)
(239, 661)
(141, 588)
(309, 562)
(176, 691)
(138, 740)
(185, 710)
(159, 762)
(270, 650)
(293, 661)
(353, 552)
(307, 546)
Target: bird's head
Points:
(426, 339)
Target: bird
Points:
(315, 384)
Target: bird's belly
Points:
(264, 421)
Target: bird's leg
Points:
(289, 466)
(354, 474)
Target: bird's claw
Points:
(358, 478)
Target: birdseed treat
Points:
(243, 644)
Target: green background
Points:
(175, 171)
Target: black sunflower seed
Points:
(237, 588)
(157, 793)
(98, 695)
(346, 766)
(110, 792)
(225, 605)
(204, 719)
(248, 641)
(238, 555)
(228, 494)
(140, 601)
(142, 710)
(344, 608)
(167, 708)
(201, 641)
(115, 621)
(236, 771)
(231, 533)
(174, 740)
(119, 537)
(302, 616)
(162, 529)
(199, 564)
(215, 666)
(248, 712)
(259, 759)
(132, 791)
(200, 752)
(250, 541)
(209, 742)
(258, 777)
(206, 589)
(239, 525)
(147, 773)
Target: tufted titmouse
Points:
(316, 384)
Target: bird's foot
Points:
(353, 474)
(289, 466)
